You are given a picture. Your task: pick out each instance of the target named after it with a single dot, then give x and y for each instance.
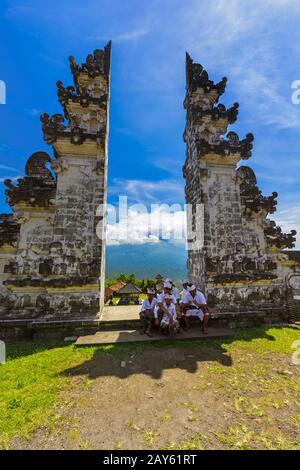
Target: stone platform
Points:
(135, 336)
(124, 319)
(127, 317)
(120, 313)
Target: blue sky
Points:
(255, 44)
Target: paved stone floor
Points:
(135, 336)
(121, 315)
(122, 312)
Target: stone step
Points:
(294, 313)
(135, 336)
(295, 318)
(127, 318)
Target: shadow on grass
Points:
(29, 348)
(149, 358)
(124, 360)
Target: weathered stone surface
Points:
(9, 230)
(241, 265)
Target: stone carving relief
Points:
(9, 230)
(294, 281)
(226, 147)
(59, 165)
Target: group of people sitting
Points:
(171, 312)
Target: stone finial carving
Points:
(36, 166)
(276, 238)
(65, 94)
(90, 94)
(226, 147)
(232, 113)
(52, 127)
(251, 196)
(202, 128)
(84, 98)
(197, 77)
(247, 146)
(197, 113)
(96, 64)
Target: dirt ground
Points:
(177, 398)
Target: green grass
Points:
(197, 442)
(115, 300)
(30, 382)
(34, 375)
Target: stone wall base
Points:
(35, 330)
(15, 330)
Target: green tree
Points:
(122, 277)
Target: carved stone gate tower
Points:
(52, 247)
(241, 265)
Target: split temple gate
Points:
(52, 246)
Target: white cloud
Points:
(54, 61)
(34, 112)
(148, 191)
(279, 178)
(127, 36)
(10, 168)
(289, 219)
(131, 35)
(169, 164)
(141, 227)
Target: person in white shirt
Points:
(185, 284)
(160, 308)
(175, 291)
(194, 305)
(182, 318)
(147, 311)
(169, 322)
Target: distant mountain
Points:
(147, 260)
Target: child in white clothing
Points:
(147, 311)
(169, 323)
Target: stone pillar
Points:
(81, 169)
(9, 234)
(58, 268)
